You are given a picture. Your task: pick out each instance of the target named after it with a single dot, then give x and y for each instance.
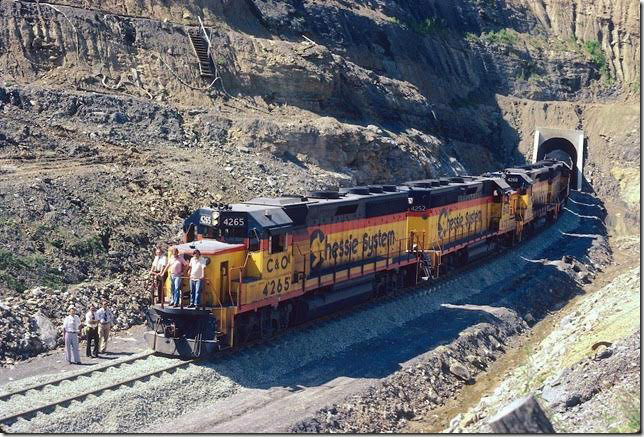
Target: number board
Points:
(235, 221)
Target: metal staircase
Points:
(202, 51)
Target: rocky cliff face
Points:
(615, 25)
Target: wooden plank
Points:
(522, 416)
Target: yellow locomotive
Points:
(276, 262)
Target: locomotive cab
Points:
(192, 332)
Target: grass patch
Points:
(12, 283)
(36, 264)
(628, 409)
(595, 52)
(394, 20)
(598, 57)
(428, 26)
(635, 87)
(85, 246)
(535, 78)
(503, 36)
(471, 37)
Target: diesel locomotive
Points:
(276, 262)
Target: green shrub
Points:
(471, 37)
(12, 283)
(428, 26)
(635, 87)
(34, 263)
(86, 246)
(394, 20)
(595, 52)
(503, 36)
(598, 57)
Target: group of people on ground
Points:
(98, 323)
(179, 268)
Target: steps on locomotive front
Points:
(200, 48)
(169, 309)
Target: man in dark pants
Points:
(91, 320)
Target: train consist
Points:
(276, 262)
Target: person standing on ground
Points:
(177, 265)
(71, 328)
(197, 266)
(158, 271)
(106, 319)
(92, 331)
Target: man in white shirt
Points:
(158, 270)
(71, 328)
(106, 319)
(197, 266)
(92, 331)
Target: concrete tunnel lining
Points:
(570, 141)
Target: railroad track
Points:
(7, 399)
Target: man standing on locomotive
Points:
(158, 270)
(176, 265)
(197, 266)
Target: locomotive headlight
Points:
(215, 218)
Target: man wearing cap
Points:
(92, 331)
(106, 319)
(71, 328)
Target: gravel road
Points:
(273, 386)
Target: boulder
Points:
(460, 371)
(47, 332)
(603, 352)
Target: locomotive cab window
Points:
(253, 241)
(277, 243)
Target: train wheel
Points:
(244, 326)
(381, 284)
(266, 326)
(285, 315)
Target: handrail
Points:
(240, 268)
(205, 34)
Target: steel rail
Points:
(5, 396)
(26, 413)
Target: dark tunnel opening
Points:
(563, 150)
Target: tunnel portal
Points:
(564, 144)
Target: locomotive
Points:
(277, 262)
